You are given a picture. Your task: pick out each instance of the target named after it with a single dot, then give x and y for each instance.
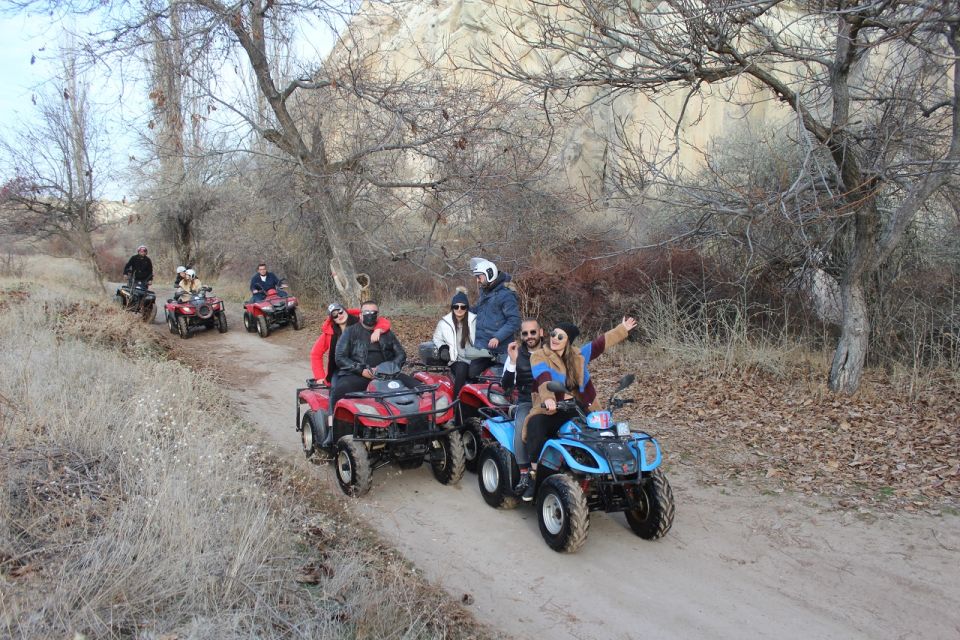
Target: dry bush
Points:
(134, 508)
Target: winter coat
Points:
(547, 366)
(269, 281)
(498, 315)
(140, 266)
(321, 370)
(446, 334)
(189, 286)
(352, 349)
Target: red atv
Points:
(386, 423)
(482, 392)
(274, 311)
(200, 310)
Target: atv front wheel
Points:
(263, 327)
(148, 313)
(563, 513)
(446, 458)
(352, 467)
(472, 444)
(222, 322)
(297, 319)
(653, 517)
(496, 471)
(248, 322)
(171, 323)
(183, 328)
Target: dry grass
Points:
(133, 505)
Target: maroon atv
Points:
(482, 392)
(386, 423)
(273, 312)
(200, 310)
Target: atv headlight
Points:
(367, 410)
(623, 429)
(498, 398)
(442, 402)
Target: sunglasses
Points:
(558, 335)
(529, 333)
(336, 313)
(458, 307)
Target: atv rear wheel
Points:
(248, 322)
(472, 444)
(171, 323)
(306, 434)
(653, 517)
(297, 319)
(563, 514)
(263, 327)
(183, 328)
(149, 312)
(352, 467)
(496, 471)
(446, 458)
(222, 322)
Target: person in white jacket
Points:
(456, 331)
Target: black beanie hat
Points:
(572, 330)
(460, 297)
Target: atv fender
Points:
(502, 429)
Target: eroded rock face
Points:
(461, 36)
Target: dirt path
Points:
(735, 565)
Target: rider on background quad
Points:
(455, 331)
(338, 319)
(358, 355)
(140, 266)
(189, 284)
(560, 361)
(262, 281)
(180, 271)
(498, 314)
(517, 372)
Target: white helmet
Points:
(481, 267)
(181, 269)
(191, 273)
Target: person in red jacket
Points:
(321, 355)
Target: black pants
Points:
(478, 366)
(541, 428)
(459, 370)
(344, 383)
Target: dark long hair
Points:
(464, 327)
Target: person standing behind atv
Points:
(140, 266)
(517, 372)
(189, 284)
(338, 319)
(454, 331)
(358, 355)
(262, 281)
(559, 361)
(498, 314)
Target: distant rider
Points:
(140, 266)
(189, 285)
(262, 281)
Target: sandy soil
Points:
(736, 564)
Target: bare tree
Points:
(53, 180)
(874, 87)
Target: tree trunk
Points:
(342, 267)
(851, 353)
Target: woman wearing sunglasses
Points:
(558, 360)
(456, 331)
(337, 320)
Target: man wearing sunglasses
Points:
(358, 355)
(518, 373)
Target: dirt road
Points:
(735, 565)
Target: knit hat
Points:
(460, 297)
(334, 306)
(572, 330)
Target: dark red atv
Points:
(386, 423)
(273, 312)
(482, 392)
(200, 310)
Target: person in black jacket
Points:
(140, 266)
(517, 373)
(357, 355)
(262, 281)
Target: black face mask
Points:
(369, 318)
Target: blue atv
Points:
(593, 464)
